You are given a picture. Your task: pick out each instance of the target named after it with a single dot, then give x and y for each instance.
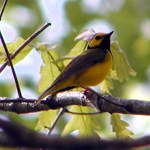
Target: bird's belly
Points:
(96, 73)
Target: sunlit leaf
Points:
(46, 119)
(106, 86)
(120, 127)
(42, 46)
(76, 50)
(85, 125)
(121, 68)
(12, 47)
(49, 70)
(120, 62)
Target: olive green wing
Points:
(81, 63)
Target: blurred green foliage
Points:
(27, 30)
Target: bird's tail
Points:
(43, 95)
(57, 87)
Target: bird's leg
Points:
(51, 98)
(90, 90)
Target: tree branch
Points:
(3, 8)
(24, 44)
(15, 135)
(112, 105)
(11, 66)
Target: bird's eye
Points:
(97, 37)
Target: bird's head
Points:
(100, 40)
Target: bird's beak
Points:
(109, 34)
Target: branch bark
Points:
(101, 103)
(15, 135)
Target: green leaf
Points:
(76, 50)
(120, 62)
(121, 68)
(49, 70)
(106, 85)
(86, 125)
(120, 127)
(12, 47)
(46, 119)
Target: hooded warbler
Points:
(88, 69)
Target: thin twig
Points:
(24, 44)
(11, 65)
(61, 112)
(77, 113)
(55, 62)
(3, 7)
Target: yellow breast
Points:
(96, 73)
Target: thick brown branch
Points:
(15, 135)
(108, 104)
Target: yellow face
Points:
(97, 39)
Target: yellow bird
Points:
(88, 69)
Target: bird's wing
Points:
(81, 63)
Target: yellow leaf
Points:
(49, 70)
(85, 125)
(120, 127)
(46, 119)
(76, 50)
(121, 68)
(106, 85)
(120, 62)
(12, 47)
